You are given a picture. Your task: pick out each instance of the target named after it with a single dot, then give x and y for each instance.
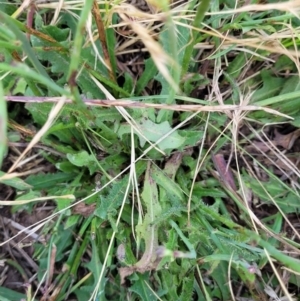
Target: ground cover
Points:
(150, 150)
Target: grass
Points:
(149, 151)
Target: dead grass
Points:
(269, 153)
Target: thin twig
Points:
(136, 104)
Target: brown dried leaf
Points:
(83, 209)
(127, 271)
(173, 164)
(290, 159)
(224, 171)
(258, 145)
(286, 141)
(121, 253)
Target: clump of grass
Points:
(155, 157)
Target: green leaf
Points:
(128, 84)
(13, 136)
(60, 61)
(170, 283)
(27, 196)
(3, 125)
(168, 213)
(191, 137)
(187, 288)
(113, 161)
(184, 239)
(44, 181)
(148, 74)
(15, 182)
(142, 288)
(220, 277)
(20, 87)
(39, 111)
(284, 63)
(154, 132)
(289, 204)
(271, 86)
(290, 85)
(245, 275)
(147, 230)
(81, 159)
(7, 8)
(236, 66)
(27, 73)
(11, 23)
(173, 191)
(288, 261)
(107, 114)
(95, 266)
(7, 294)
(58, 34)
(71, 221)
(111, 202)
(66, 167)
(200, 191)
(291, 107)
(195, 80)
(106, 131)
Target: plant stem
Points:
(201, 10)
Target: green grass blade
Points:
(25, 45)
(77, 45)
(201, 10)
(24, 71)
(3, 125)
